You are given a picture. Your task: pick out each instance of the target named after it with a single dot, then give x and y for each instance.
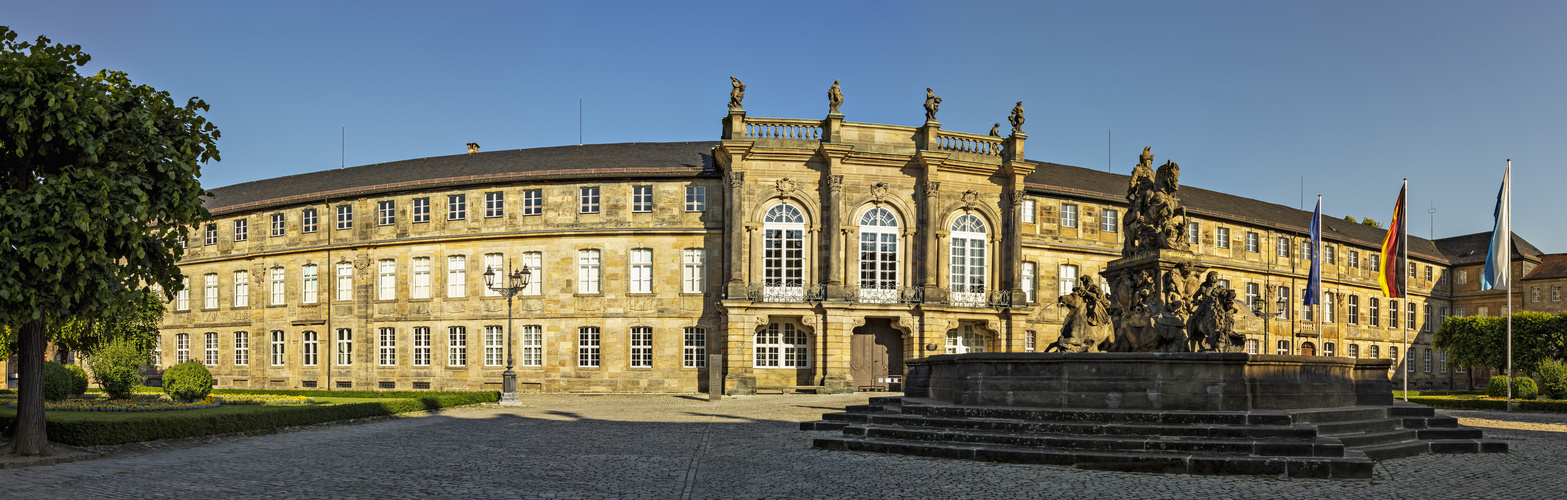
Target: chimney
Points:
(473, 147)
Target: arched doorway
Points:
(1308, 349)
(876, 356)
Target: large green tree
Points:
(98, 184)
(1482, 340)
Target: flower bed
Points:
(261, 399)
(1484, 402)
(138, 404)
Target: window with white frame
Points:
(1029, 339)
(278, 283)
(1427, 361)
(1066, 280)
(241, 288)
(642, 198)
(494, 344)
(1354, 351)
(1327, 307)
(693, 279)
(241, 348)
(1354, 259)
(1409, 312)
(1371, 352)
(1028, 211)
(309, 281)
(386, 279)
(387, 355)
(696, 198)
(494, 204)
(345, 347)
(1282, 347)
(1463, 277)
(1030, 277)
(421, 210)
(279, 225)
(345, 281)
(878, 256)
(641, 347)
(386, 213)
(310, 349)
(493, 262)
(212, 349)
(421, 346)
(1306, 310)
(456, 207)
(588, 201)
(532, 345)
(419, 287)
(588, 264)
(1354, 309)
(1068, 215)
(1534, 294)
(1461, 311)
(1223, 283)
(1327, 349)
(308, 220)
(279, 348)
(1428, 273)
(1441, 366)
(345, 216)
(1222, 237)
(1251, 346)
(1426, 325)
(967, 266)
(1283, 293)
(1392, 314)
(1282, 247)
(534, 263)
(1305, 249)
(782, 345)
(695, 348)
(182, 297)
(1327, 255)
(1556, 293)
(1411, 270)
(1107, 220)
(783, 253)
(965, 339)
(456, 276)
(211, 236)
(1373, 312)
(1253, 296)
(1376, 262)
(1251, 242)
(532, 202)
(1193, 233)
(210, 291)
(241, 230)
(588, 347)
(182, 348)
(457, 346)
(641, 272)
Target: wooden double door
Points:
(876, 356)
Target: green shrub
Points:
(117, 368)
(1525, 388)
(1553, 379)
(58, 381)
(188, 381)
(78, 379)
(1497, 387)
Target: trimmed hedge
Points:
(78, 379)
(1491, 404)
(58, 381)
(188, 381)
(357, 394)
(173, 426)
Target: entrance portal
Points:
(876, 356)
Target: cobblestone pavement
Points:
(569, 446)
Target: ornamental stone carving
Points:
(931, 189)
(932, 104)
(1155, 219)
(736, 179)
(834, 98)
(736, 93)
(835, 183)
(1088, 320)
(879, 191)
(784, 186)
(971, 198)
(1016, 118)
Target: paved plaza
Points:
(639, 446)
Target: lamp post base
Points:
(509, 386)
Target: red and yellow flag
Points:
(1393, 251)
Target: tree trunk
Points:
(31, 437)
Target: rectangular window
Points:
(1283, 347)
(279, 225)
(308, 220)
(1305, 310)
(1354, 259)
(345, 281)
(1068, 215)
(1462, 311)
(1029, 272)
(1221, 237)
(1193, 232)
(588, 201)
(1328, 308)
(692, 263)
(457, 346)
(1253, 296)
(534, 262)
(493, 346)
(388, 351)
(241, 349)
(532, 345)
(1411, 270)
(1028, 211)
(695, 353)
(386, 213)
(1327, 255)
(1067, 279)
(1305, 249)
(1373, 314)
(421, 346)
(641, 270)
(1107, 220)
(587, 271)
(345, 217)
(641, 347)
(182, 297)
(311, 353)
(386, 279)
(421, 210)
(279, 348)
(1354, 351)
(278, 285)
(1354, 309)
(1251, 346)
(241, 230)
(1534, 294)
(456, 276)
(1409, 310)
(1392, 314)
(1463, 277)
(533, 202)
(1327, 349)
(696, 198)
(494, 204)
(1284, 295)
(1442, 366)
(1029, 341)
(211, 235)
(1376, 262)
(182, 348)
(309, 272)
(1426, 325)
(456, 207)
(642, 198)
(492, 262)
(419, 287)
(241, 288)
(588, 346)
(1556, 293)
(1251, 242)
(212, 349)
(210, 292)
(1283, 247)
(345, 347)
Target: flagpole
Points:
(1319, 277)
(1506, 179)
(1403, 274)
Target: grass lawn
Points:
(120, 416)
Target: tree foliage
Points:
(1370, 222)
(1482, 340)
(117, 367)
(1350, 218)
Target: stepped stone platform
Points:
(1223, 431)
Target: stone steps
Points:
(1303, 448)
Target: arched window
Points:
(878, 257)
(964, 340)
(782, 345)
(968, 261)
(783, 254)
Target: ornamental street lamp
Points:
(516, 281)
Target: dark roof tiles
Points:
(1472, 248)
(1552, 265)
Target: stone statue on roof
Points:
(995, 130)
(1017, 118)
(834, 98)
(932, 104)
(736, 93)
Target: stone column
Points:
(738, 376)
(831, 212)
(735, 231)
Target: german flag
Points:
(1394, 252)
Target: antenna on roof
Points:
(1432, 211)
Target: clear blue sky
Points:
(1248, 96)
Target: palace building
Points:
(806, 252)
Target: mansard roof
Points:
(667, 159)
(1472, 248)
